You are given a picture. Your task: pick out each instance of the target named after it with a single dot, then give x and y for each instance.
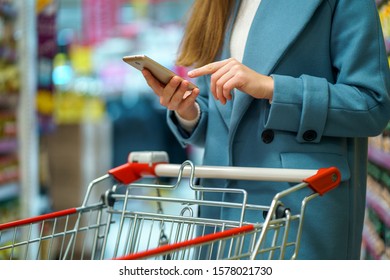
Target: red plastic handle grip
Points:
(132, 171)
(324, 180)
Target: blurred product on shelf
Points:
(384, 14)
(9, 171)
(377, 223)
(382, 142)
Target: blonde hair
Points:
(204, 32)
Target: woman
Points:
(286, 84)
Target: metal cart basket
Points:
(122, 224)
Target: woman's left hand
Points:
(229, 74)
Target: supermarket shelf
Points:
(379, 157)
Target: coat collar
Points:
(275, 27)
(266, 46)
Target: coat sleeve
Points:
(197, 137)
(357, 104)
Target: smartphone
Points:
(160, 72)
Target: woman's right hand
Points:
(175, 95)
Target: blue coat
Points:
(332, 84)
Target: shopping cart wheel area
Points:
(140, 216)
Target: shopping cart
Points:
(122, 224)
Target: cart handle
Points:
(321, 180)
(132, 171)
(141, 164)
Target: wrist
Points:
(189, 125)
(269, 88)
(190, 114)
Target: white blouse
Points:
(246, 13)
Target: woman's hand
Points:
(229, 74)
(175, 95)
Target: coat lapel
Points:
(276, 25)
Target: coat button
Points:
(267, 136)
(309, 135)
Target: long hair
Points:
(204, 32)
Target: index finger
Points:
(207, 69)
